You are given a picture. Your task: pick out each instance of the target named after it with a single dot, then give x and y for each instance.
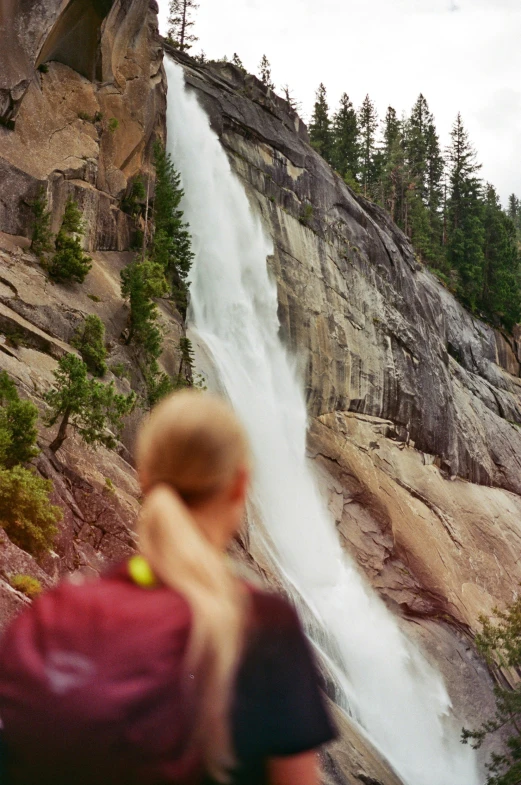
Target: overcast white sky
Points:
(462, 54)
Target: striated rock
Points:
(86, 122)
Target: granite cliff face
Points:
(414, 405)
(82, 97)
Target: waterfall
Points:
(397, 697)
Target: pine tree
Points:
(368, 124)
(236, 60)
(18, 431)
(345, 152)
(501, 295)
(90, 406)
(42, 238)
(416, 145)
(181, 23)
(392, 130)
(90, 341)
(69, 263)
(514, 207)
(320, 126)
(171, 246)
(265, 73)
(424, 190)
(141, 282)
(465, 234)
(393, 177)
(71, 221)
(434, 175)
(290, 99)
(514, 213)
(500, 644)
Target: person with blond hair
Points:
(168, 669)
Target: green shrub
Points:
(113, 124)
(140, 283)
(28, 585)
(120, 370)
(18, 432)
(69, 263)
(71, 221)
(132, 202)
(42, 238)
(136, 243)
(85, 116)
(14, 336)
(43, 68)
(26, 513)
(110, 487)
(306, 214)
(500, 644)
(90, 341)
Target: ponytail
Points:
(184, 559)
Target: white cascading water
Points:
(397, 698)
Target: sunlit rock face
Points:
(82, 99)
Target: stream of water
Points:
(395, 695)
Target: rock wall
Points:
(414, 404)
(82, 98)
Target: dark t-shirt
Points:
(278, 708)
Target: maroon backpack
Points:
(93, 690)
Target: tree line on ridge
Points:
(454, 220)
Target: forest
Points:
(454, 220)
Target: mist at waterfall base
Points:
(400, 701)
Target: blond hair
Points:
(190, 448)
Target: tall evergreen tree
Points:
(434, 183)
(465, 234)
(394, 175)
(416, 144)
(344, 153)
(501, 295)
(514, 207)
(514, 213)
(392, 130)
(171, 245)
(180, 23)
(320, 126)
(367, 124)
(265, 73)
(424, 191)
